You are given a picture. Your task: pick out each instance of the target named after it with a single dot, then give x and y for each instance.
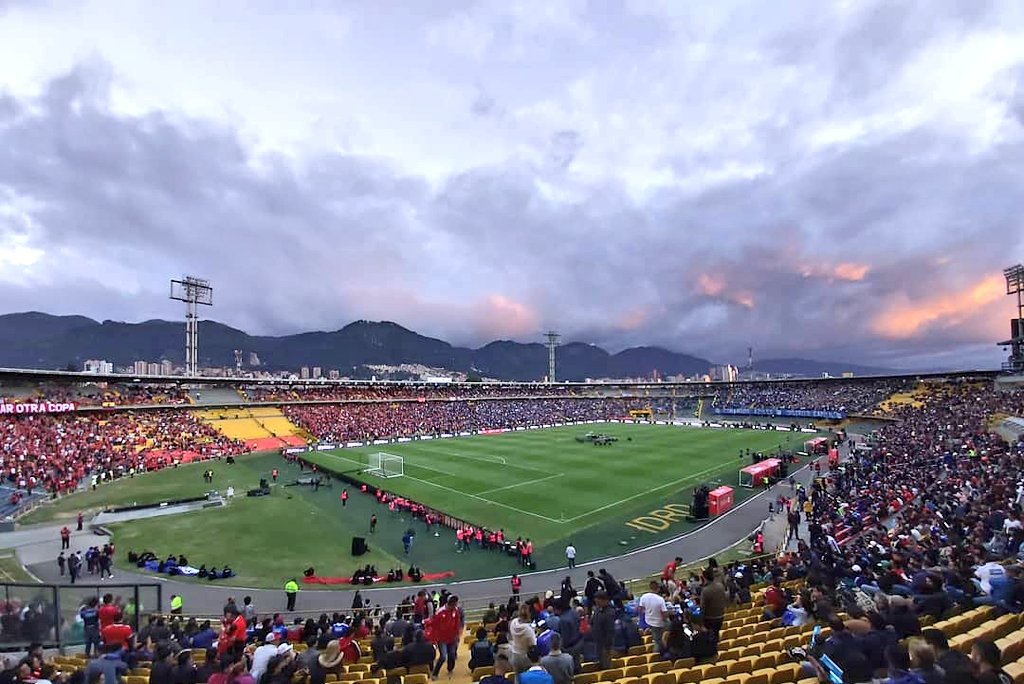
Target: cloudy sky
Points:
(835, 180)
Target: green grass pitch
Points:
(540, 484)
(544, 485)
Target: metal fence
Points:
(49, 613)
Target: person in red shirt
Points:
(344, 498)
(668, 573)
(65, 538)
(233, 631)
(516, 583)
(108, 612)
(443, 630)
(117, 633)
(774, 600)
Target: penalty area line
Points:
(680, 481)
(472, 496)
(520, 484)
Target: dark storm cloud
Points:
(877, 249)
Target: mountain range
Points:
(43, 341)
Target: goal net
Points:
(385, 465)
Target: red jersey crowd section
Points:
(427, 577)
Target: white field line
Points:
(462, 493)
(645, 493)
(479, 496)
(436, 470)
(500, 459)
(520, 484)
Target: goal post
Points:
(385, 465)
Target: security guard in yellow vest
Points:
(291, 589)
(176, 603)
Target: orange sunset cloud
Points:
(502, 316)
(905, 319)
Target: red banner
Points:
(7, 408)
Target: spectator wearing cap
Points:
(331, 661)
(262, 655)
(281, 667)
(535, 674)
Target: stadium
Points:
(567, 342)
(205, 489)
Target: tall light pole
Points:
(1015, 286)
(552, 344)
(193, 291)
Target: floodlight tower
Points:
(552, 344)
(193, 291)
(1015, 286)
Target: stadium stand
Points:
(259, 428)
(910, 573)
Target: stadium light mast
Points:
(1015, 286)
(193, 291)
(552, 344)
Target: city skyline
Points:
(833, 181)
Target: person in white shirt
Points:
(570, 555)
(1011, 523)
(986, 573)
(655, 612)
(262, 655)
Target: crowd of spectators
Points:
(922, 519)
(853, 396)
(349, 422)
(414, 391)
(55, 452)
(103, 394)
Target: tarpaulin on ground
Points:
(427, 577)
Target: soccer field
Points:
(544, 485)
(540, 484)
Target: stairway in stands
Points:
(261, 428)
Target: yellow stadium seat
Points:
(784, 674)
(1016, 671)
(718, 670)
(417, 679)
(690, 675)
